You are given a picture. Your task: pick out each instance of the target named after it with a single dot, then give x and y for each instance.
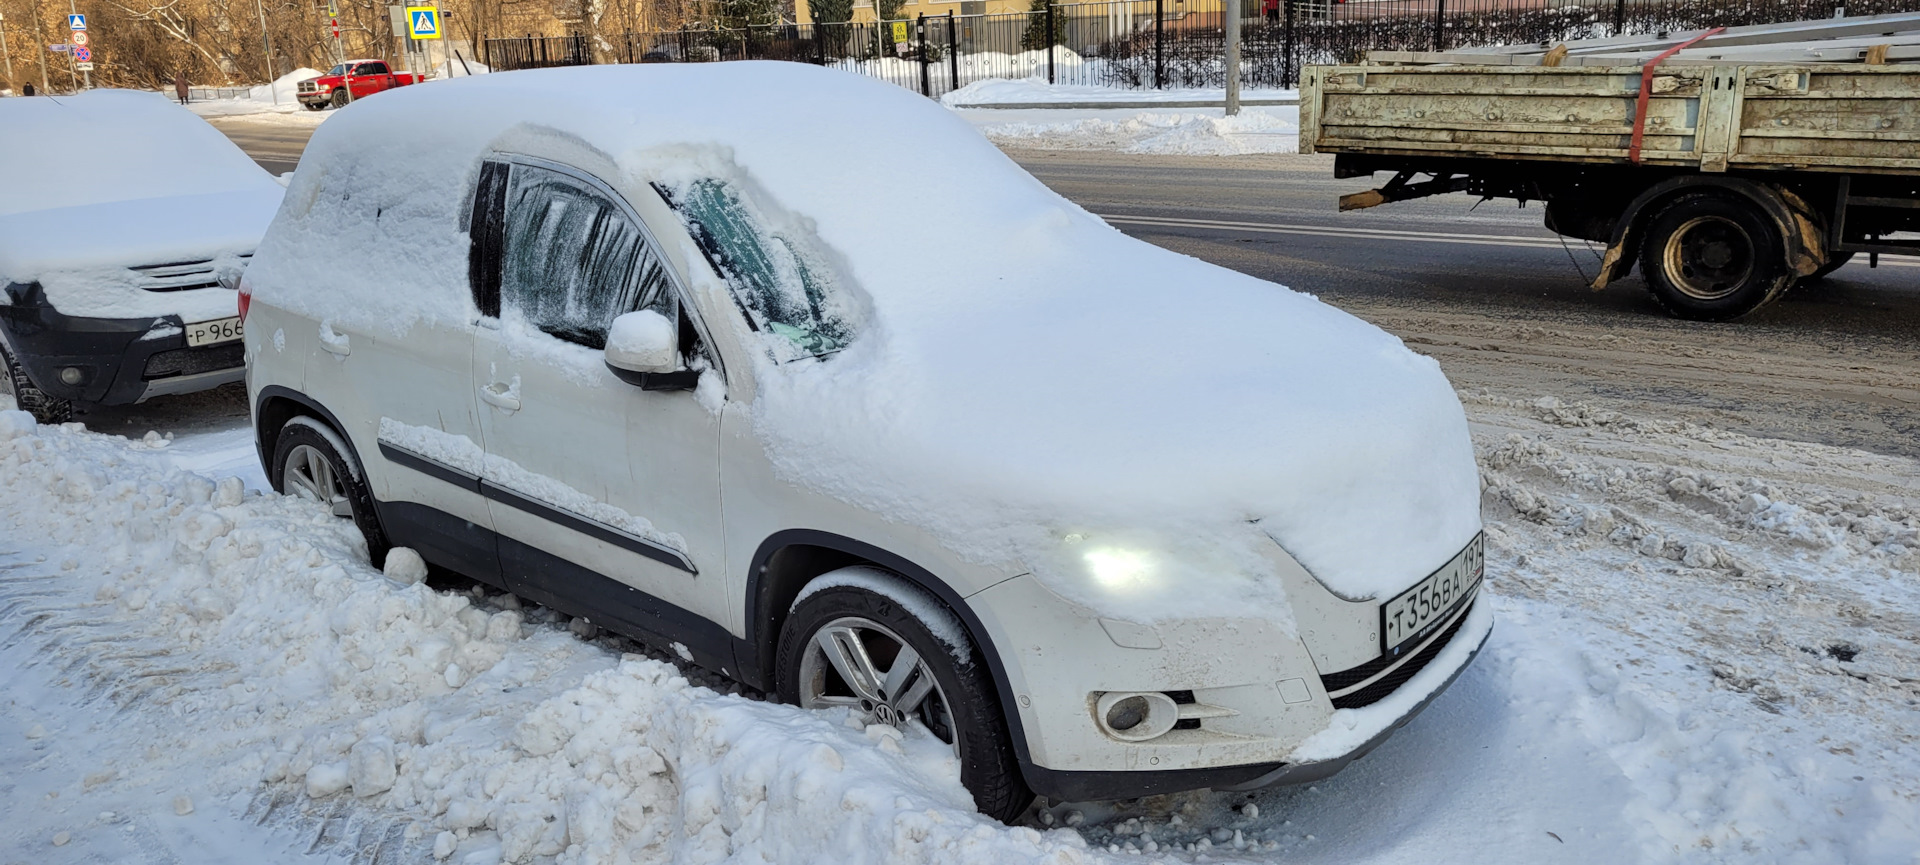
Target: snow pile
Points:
(280, 97)
(254, 654)
(1075, 382)
(460, 69)
(1181, 133)
(989, 92)
(122, 178)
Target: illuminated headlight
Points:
(1118, 569)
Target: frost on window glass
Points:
(574, 260)
(780, 281)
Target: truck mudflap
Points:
(1805, 243)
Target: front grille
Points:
(180, 275)
(191, 361)
(1387, 684)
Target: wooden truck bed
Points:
(1830, 117)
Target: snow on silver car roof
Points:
(1030, 385)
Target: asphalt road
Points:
(1498, 300)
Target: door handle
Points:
(334, 341)
(498, 396)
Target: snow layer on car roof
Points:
(1031, 386)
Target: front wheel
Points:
(45, 408)
(1711, 257)
(861, 645)
(310, 462)
(341, 97)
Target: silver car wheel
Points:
(861, 665)
(310, 475)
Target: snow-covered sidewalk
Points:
(1704, 653)
(1013, 93)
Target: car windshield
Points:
(780, 281)
(338, 70)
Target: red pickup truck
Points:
(354, 79)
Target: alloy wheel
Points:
(310, 475)
(859, 664)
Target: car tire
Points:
(881, 609)
(308, 462)
(1713, 257)
(45, 408)
(1835, 261)
(341, 97)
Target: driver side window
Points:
(570, 259)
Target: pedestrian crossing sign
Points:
(424, 22)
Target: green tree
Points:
(746, 13)
(831, 11)
(1036, 36)
(889, 9)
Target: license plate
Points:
(1417, 611)
(214, 332)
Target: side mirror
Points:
(643, 349)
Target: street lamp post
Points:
(266, 45)
(1233, 57)
(40, 40)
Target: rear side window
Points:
(779, 280)
(561, 255)
(371, 69)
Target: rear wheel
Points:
(44, 408)
(341, 97)
(308, 463)
(862, 648)
(1711, 257)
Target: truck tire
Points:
(1713, 257)
(341, 97)
(32, 400)
(314, 106)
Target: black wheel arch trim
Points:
(274, 391)
(760, 618)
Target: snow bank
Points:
(1024, 371)
(989, 92)
(1182, 133)
(261, 656)
(460, 69)
(280, 97)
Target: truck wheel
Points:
(1710, 257)
(313, 106)
(310, 461)
(862, 645)
(32, 400)
(341, 97)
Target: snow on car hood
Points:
(1030, 385)
(117, 179)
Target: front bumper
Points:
(1452, 660)
(122, 360)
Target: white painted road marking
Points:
(1389, 234)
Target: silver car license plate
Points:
(214, 332)
(1416, 611)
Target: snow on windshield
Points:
(781, 282)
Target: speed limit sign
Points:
(80, 37)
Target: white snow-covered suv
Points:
(792, 371)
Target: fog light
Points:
(1135, 716)
(71, 375)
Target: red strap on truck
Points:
(1646, 90)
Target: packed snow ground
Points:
(1164, 131)
(1705, 652)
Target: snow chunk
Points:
(370, 765)
(327, 779)
(15, 423)
(404, 566)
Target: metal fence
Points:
(1144, 44)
